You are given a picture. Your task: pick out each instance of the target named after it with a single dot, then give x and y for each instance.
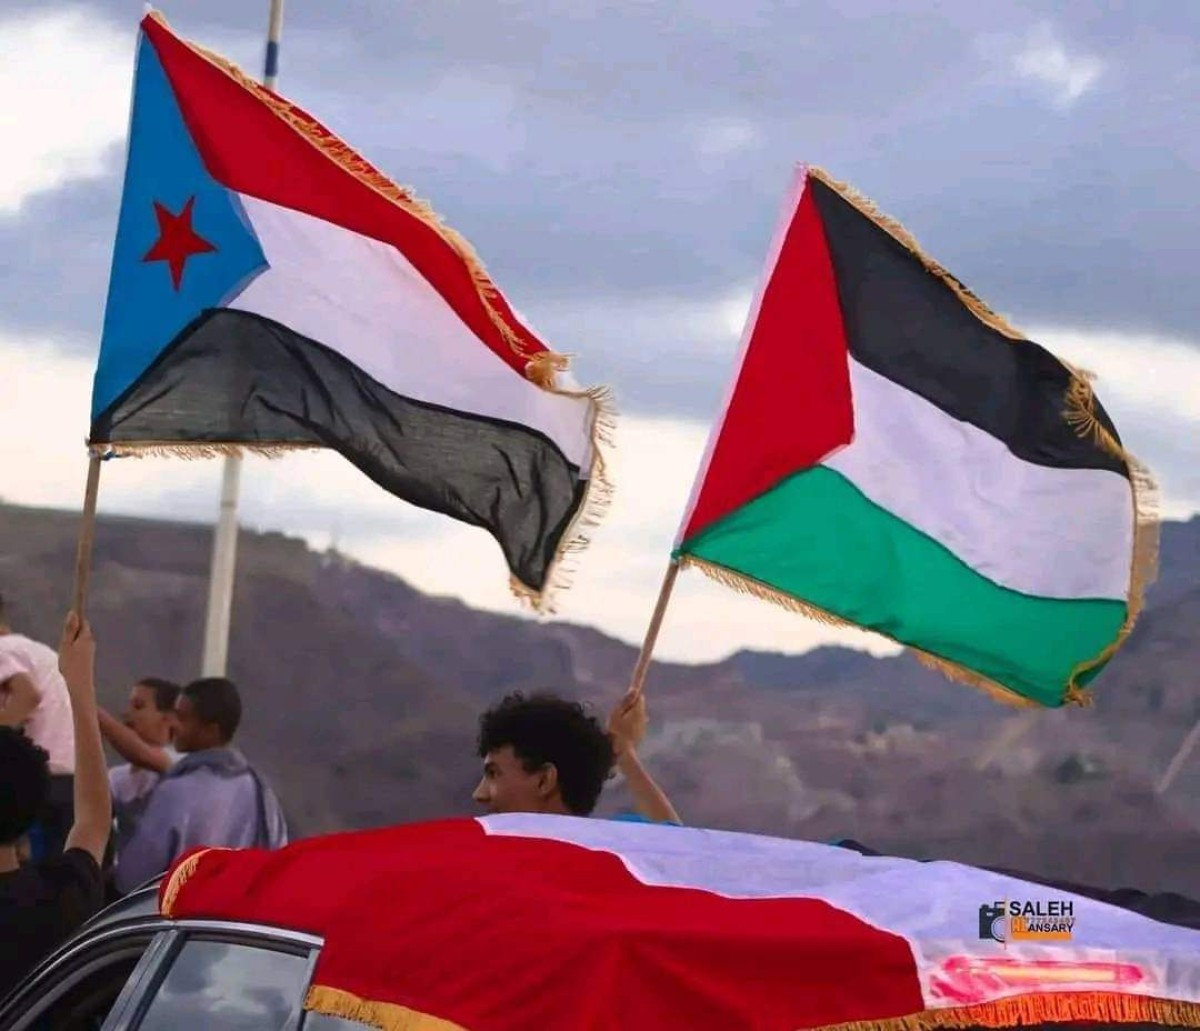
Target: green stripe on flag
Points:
(817, 538)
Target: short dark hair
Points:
(24, 783)
(544, 728)
(216, 700)
(166, 692)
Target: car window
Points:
(225, 986)
(80, 993)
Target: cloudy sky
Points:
(620, 166)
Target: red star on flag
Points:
(177, 240)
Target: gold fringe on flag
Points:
(386, 1016)
(596, 503)
(894, 229)
(1080, 413)
(1145, 557)
(541, 367)
(1042, 1008)
(179, 877)
(1143, 573)
(743, 584)
(196, 450)
(338, 151)
(544, 367)
(1017, 1011)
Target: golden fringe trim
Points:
(962, 675)
(1142, 574)
(195, 450)
(182, 874)
(544, 367)
(596, 502)
(757, 589)
(387, 1016)
(894, 229)
(344, 155)
(1080, 414)
(1047, 1007)
(541, 367)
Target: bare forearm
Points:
(649, 799)
(93, 803)
(130, 747)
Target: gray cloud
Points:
(54, 261)
(617, 161)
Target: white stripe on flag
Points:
(1040, 530)
(366, 301)
(933, 906)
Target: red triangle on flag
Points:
(790, 405)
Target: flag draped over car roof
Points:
(525, 921)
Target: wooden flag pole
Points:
(638, 680)
(87, 536)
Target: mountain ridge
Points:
(363, 693)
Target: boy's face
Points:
(192, 734)
(507, 787)
(146, 719)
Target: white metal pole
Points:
(274, 34)
(224, 556)
(220, 580)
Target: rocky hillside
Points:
(363, 694)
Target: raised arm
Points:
(627, 725)
(93, 803)
(130, 746)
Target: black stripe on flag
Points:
(908, 325)
(236, 377)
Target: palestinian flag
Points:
(894, 456)
(271, 289)
(528, 921)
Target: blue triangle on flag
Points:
(183, 244)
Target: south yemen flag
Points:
(271, 289)
(894, 456)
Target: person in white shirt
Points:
(34, 698)
(144, 737)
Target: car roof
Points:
(138, 905)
